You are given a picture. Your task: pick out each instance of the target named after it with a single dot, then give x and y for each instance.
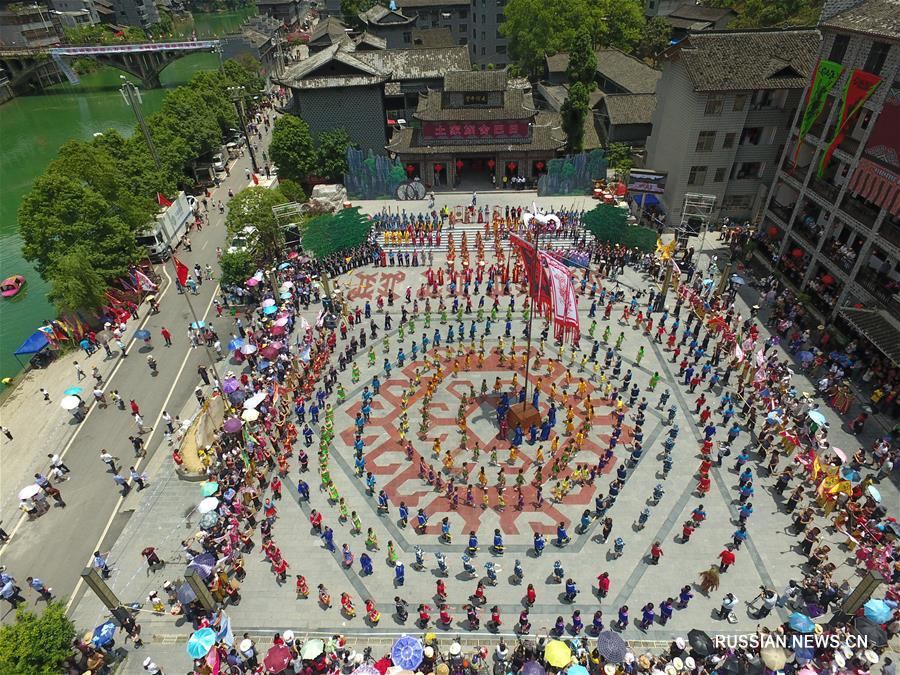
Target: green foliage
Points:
(291, 190)
(610, 223)
(336, 232)
(236, 267)
(253, 206)
(244, 71)
(620, 157)
(36, 643)
(765, 13)
(574, 112)
(292, 148)
(350, 10)
(74, 284)
(103, 35)
(582, 60)
(331, 150)
(536, 28)
(654, 38)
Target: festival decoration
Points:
(824, 78)
(860, 86)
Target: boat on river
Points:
(11, 286)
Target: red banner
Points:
(467, 131)
(860, 86)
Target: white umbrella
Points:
(70, 403)
(286, 285)
(268, 302)
(207, 505)
(248, 349)
(255, 400)
(29, 491)
(250, 415)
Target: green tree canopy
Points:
(335, 232)
(291, 190)
(236, 267)
(36, 643)
(654, 38)
(610, 223)
(243, 71)
(765, 13)
(574, 112)
(536, 28)
(331, 150)
(582, 60)
(75, 284)
(292, 148)
(620, 157)
(253, 206)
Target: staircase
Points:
(546, 242)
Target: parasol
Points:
(874, 493)
(251, 282)
(70, 403)
(801, 623)
(232, 425)
(186, 594)
(230, 385)
(284, 265)
(700, 642)
(208, 520)
(577, 669)
(366, 669)
(207, 505)
(877, 611)
(407, 652)
(271, 309)
(142, 334)
(237, 343)
(277, 330)
(255, 400)
(312, 648)
(262, 365)
(103, 634)
(71, 391)
(737, 281)
(248, 349)
(875, 635)
(268, 352)
(277, 659)
(817, 417)
(286, 285)
(806, 357)
(250, 415)
(204, 563)
(201, 642)
(611, 646)
(29, 491)
(282, 321)
(197, 325)
(773, 657)
(557, 654)
(286, 295)
(208, 488)
(268, 302)
(841, 455)
(535, 668)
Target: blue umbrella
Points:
(805, 356)
(611, 646)
(262, 365)
(237, 343)
(407, 652)
(577, 669)
(201, 642)
(817, 417)
(533, 668)
(878, 611)
(196, 325)
(284, 266)
(737, 281)
(803, 653)
(271, 309)
(142, 334)
(103, 634)
(850, 474)
(204, 563)
(71, 391)
(285, 296)
(801, 622)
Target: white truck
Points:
(171, 222)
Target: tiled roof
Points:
(431, 3)
(329, 27)
(377, 13)
(370, 40)
(415, 64)
(547, 134)
(879, 327)
(427, 38)
(475, 80)
(687, 24)
(738, 60)
(878, 18)
(629, 108)
(628, 72)
(701, 13)
(517, 105)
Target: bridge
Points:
(21, 67)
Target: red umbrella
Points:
(277, 659)
(293, 254)
(277, 330)
(382, 665)
(268, 352)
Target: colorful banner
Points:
(498, 130)
(877, 176)
(564, 302)
(860, 86)
(824, 78)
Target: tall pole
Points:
(133, 97)
(237, 94)
(537, 263)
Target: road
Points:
(57, 546)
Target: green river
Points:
(32, 128)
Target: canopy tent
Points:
(36, 342)
(878, 326)
(651, 199)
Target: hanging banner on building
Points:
(502, 130)
(824, 78)
(860, 86)
(877, 175)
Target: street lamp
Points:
(237, 94)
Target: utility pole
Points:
(132, 97)
(237, 94)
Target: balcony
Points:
(825, 190)
(891, 233)
(864, 213)
(849, 145)
(874, 285)
(781, 212)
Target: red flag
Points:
(255, 179)
(181, 271)
(162, 200)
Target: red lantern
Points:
(827, 279)
(410, 168)
(459, 165)
(539, 166)
(512, 166)
(491, 164)
(772, 232)
(797, 253)
(438, 167)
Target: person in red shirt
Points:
(686, 531)
(727, 559)
(280, 569)
(603, 584)
(315, 519)
(656, 553)
(166, 336)
(495, 617)
(530, 595)
(703, 485)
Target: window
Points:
(697, 176)
(839, 48)
(705, 141)
(499, 34)
(877, 54)
(463, 14)
(737, 202)
(749, 170)
(651, 4)
(740, 102)
(714, 105)
(501, 49)
(501, 18)
(751, 136)
(729, 141)
(407, 37)
(474, 18)
(720, 175)
(482, 51)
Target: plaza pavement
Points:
(163, 517)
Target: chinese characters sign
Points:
(499, 130)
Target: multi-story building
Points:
(138, 13)
(73, 13)
(292, 13)
(832, 224)
(724, 104)
(27, 26)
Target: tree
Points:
(351, 9)
(253, 206)
(654, 38)
(619, 157)
(292, 148)
(609, 223)
(243, 71)
(74, 284)
(36, 644)
(236, 268)
(291, 190)
(574, 113)
(582, 60)
(536, 28)
(332, 154)
(335, 232)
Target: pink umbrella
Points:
(281, 321)
(278, 344)
(277, 659)
(252, 281)
(268, 352)
(293, 254)
(268, 302)
(277, 330)
(840, 453)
